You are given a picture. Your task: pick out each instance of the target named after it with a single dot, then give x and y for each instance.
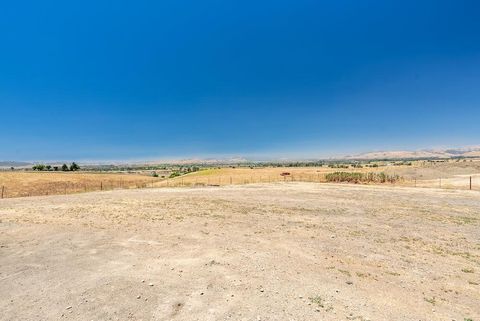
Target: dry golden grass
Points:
(235, 176)
(420, 174)
(452, 174)
(19, 184)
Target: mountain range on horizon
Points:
(471, 151)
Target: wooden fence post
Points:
(3, 190)
(470, 182)
(101, 186)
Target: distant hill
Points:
(425, 153)
(206, 161)
(13, 163)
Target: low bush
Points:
(351, 177)
(175, 174)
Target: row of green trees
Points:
(65, 168)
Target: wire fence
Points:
(464, 182)
(63, 188)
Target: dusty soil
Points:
(294, 251)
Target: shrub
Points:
(38, 167)
(356, 178)
(175, 174)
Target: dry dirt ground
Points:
(284, 251)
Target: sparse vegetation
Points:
(318, 300)
(432, 300)
(272, 242)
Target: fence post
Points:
(470, 182)
(101, 186)
(3, 190)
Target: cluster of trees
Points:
(42, 167)
(184, 170)
(189, 169)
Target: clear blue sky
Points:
(157, 79)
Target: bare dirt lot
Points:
(283, 251)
